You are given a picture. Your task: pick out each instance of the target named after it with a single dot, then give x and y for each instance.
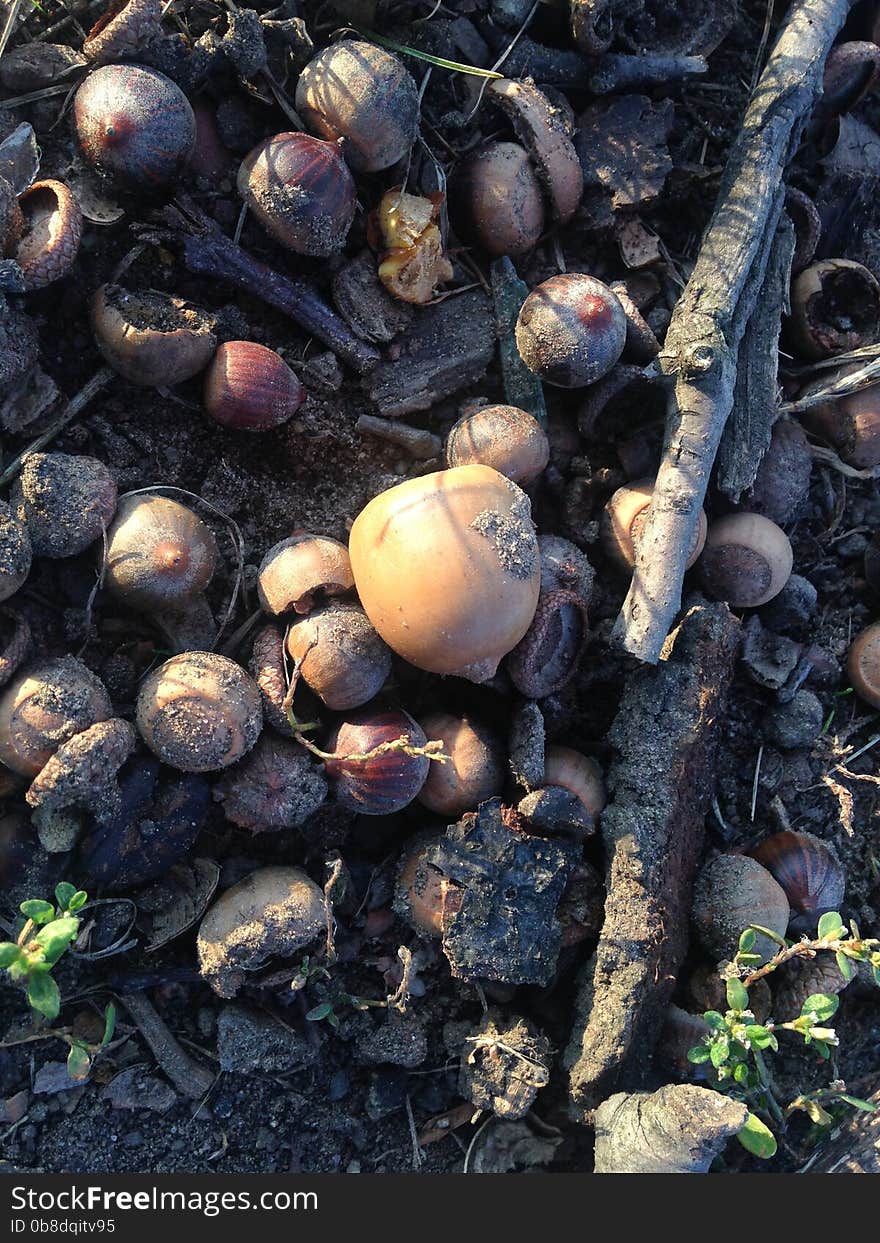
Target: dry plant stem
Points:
(802, 949)
(98, 381)
(865, 377)
(206, 251)
(620, 72)
(188, 1077)
(710, 318)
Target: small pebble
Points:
(791, 612)
(795, 724)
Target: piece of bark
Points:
(679, 1129)
(853, 1147)
(711, 316)
(755, 399)
(621, 144)
(664, 739)
(448, 348)
(522, 388)
(365, 304)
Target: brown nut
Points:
(571, 330)
(339, 655)
(370, 782)
(43, 707)
(276, 786)
(475, 769)
(159, 553)
(577, 773)
(747, 560)
(506, 438)
(126, 27)
(300, 191)
(423, 894)
(199, 712)
(364, 96)
(15, 551)
(851, 423)
(835, 307)
(66, 502)
(250, 388)
(539, 128)
(15, 642)
(268, 669)
(782, 483)
(274, 912)
(731, 893)
(624, 518)
(497, 201)
(807, 869)
(447, 569)
(301, 572)
(150, 338)
(49, 243)
(863, 665)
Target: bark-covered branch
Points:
(709, 321)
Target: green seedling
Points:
(47, 934)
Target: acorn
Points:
(15, 551)
(475, 770)
(274, 912)
(422, 894)
(383, 783)
(52, 229)
(806, 868)
(251, 388)
(747, 560)
(447, 569)
(623, 521)
(851, 424)
(276, 786)
(577, 773)
(45, 706)
(339, 655)
(363, 97)
(301, 192)
(135, 125)
(199, 711)
(835, 307)
(497, 199)
(506, 438)
(302, 572)
(863, 665)
(782, 482)
(123, 30)
(571, 330)
(66, 501)
(159, 553)
(731, 893)
(151, 338)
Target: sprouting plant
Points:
(737, 1045)
(48, 932)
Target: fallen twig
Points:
(188, 1077)
(709, 321)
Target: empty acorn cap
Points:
(541, 131)
(272, 913)
(49, 244)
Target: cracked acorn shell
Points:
(448, 570)
(45, 706)
(149, 337)
(199, 712)
(363, 96)
(272, 913)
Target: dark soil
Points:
(339, 1105)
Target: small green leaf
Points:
(78, 901)
(759, 1036)
(78, 1062)
(830, 926)
(747, 940)
(748, 960)
(718, 1052)
(757, 1138)
(698, 1054)
(320, 1012)
(741, 1074)
(38, 911)
(820, 1006)
(333, 1019)
(9, 953)
(817, 1114)
(714, 1019)
(821, 1048)
(857, 1103)
(737, 995)
(768, 932)
(845, 966)
(56, 937)
(109, 1025)
(44, 996)
(63, 893)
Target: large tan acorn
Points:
(447, 569)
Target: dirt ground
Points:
(345, 1107)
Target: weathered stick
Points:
(710, 318)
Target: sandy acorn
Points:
(15, 551)
(497, 199)
(151, 338)
(65, 501)
(45, 706)
(474, 771)
(506, 438)
(571, 330)
(301, 572)
(159, 553)
(339, 655)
